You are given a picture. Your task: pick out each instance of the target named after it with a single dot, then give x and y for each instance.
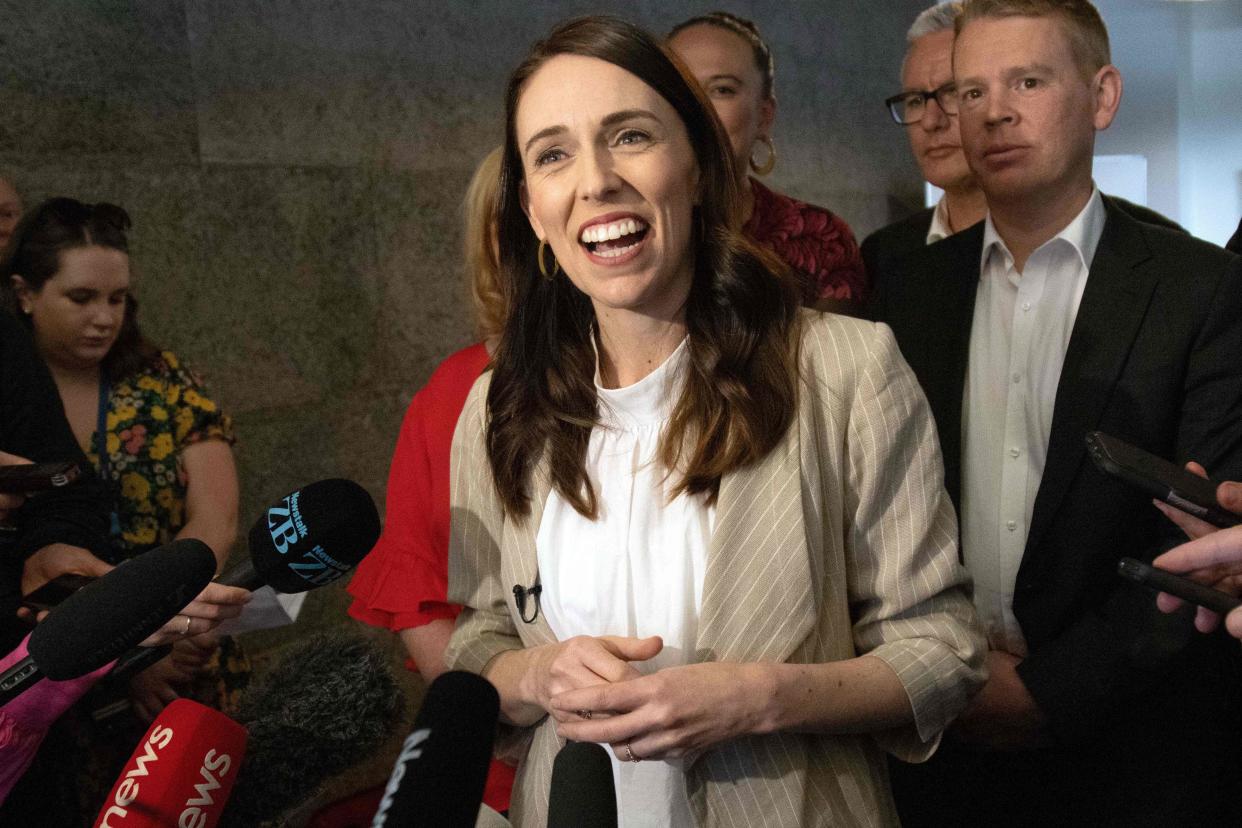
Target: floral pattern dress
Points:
(816, 243)
(151, 418)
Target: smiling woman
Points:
(747, 580)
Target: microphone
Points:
(307, 539)
(328, 704)
(180, 774)
(110, 615)
(582, 792)
(439, 776)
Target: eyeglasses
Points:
(908, 107)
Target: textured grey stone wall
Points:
(294, 170)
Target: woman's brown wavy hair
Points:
(742, 312)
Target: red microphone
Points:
(181, 773)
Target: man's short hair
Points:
(1088, 34)
(938, 18)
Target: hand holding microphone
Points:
(86, 632)
(211, 607)
(305, 540)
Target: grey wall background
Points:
(294, 170)
(1181, 64)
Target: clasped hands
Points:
(664, 715)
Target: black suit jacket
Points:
(1139, 703)
(883, 249)
(1235, 243)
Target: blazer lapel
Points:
(520, 561)
(938, 342)
(1114, 304)
(757, 602)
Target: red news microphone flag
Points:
(181, 773)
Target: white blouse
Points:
(638, 569)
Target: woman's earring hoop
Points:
(543, 267)
(766, 166)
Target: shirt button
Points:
(1017, 377)
(1015, 452)
(1012, 525)
(1026, 306)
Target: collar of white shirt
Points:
(1082, 234)
(939, 228)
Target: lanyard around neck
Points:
(101, 447)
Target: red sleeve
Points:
(841, 273)
(403, 582)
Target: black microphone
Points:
(582, 792)
(439, 776)
(112, 614)
(327, 705)
(307, 539)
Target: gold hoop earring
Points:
(766, 166)
(543, 268)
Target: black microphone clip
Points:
(519, 597)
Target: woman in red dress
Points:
(403, 584)
(733, 64)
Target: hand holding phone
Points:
(55, 591)
(1184, 588)
(23, 478)
(1159, 478)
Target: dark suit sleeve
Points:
(873, 308)
(1125, 648)
(33, 425)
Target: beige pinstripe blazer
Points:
(840, 542)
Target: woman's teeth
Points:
(611, 232)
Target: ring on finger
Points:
(630, 756)
(186, 631)
(583, 714)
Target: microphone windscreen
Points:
(108, 616)
(312, 536)
(180, 774)
(582, 792)
(326, 705)
(439, 776)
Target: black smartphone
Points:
(55, 591)
(35, 477)
(1184, 588)
(1159, 478)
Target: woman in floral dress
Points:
(156, 439)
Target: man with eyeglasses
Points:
(1058, 315)
(926, 81)
(927, 89)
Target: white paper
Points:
(267, 610)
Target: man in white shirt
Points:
(935, 142)
(1059, 315)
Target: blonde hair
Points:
(487, 295)
(1087, 32)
